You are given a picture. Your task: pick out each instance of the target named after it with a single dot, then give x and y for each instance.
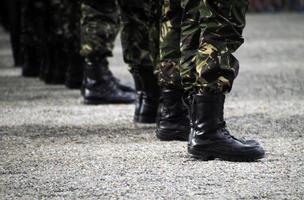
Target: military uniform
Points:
(99, 28)
(197, 41)
(209, 32)
(100, 24)
(140, 42)
(139, 33)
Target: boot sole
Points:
(207, 155)
(166, 136)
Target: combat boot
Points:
(101, 87)
(148, 93)
(173, 121)
(209, 137)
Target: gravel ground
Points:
(53, 147)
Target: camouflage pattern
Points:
(210, 31)
(100, 24)
(99, 28)
(140, 33)
(170, 35)
(154, 31)
(135, 32)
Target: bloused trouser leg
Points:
(173, 122)
(169, 69)
(135, 33)
(139, 42)
(99, 28)
(211, 32)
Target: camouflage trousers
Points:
(99, 28)
(102, 20)
(197, 40)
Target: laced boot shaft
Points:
(173, 122)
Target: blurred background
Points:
(276, 5)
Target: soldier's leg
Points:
(30, 38)
(175, 125)
(139, 55)
(154, 31)
(169, 70)
(99, 28)
(221, 24)
(211, 32)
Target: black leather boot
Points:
(32, 62)
(209, 138)
(101, 87)
(148, 92)
(173, 122)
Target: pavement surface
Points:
(54, 147)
